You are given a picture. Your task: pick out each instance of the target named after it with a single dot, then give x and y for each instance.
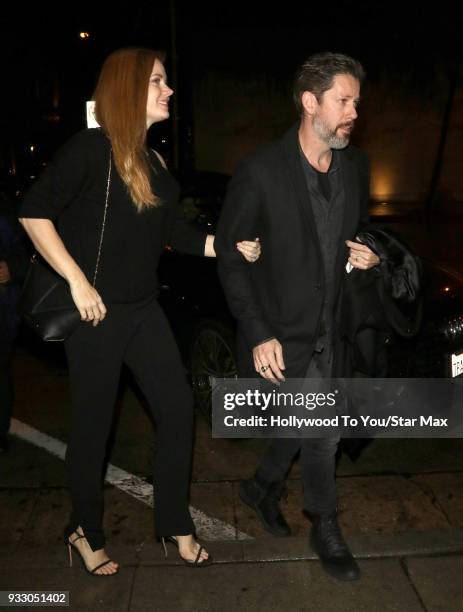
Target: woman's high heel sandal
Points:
(71, 545)
(196, 563)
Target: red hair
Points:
(121, 96)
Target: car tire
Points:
(212, 356)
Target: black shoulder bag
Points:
(46, 303)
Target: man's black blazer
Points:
(282, 294)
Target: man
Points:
(304, 196)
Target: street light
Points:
(84, 35)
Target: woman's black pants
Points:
(139, 336)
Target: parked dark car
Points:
(192, 297)
(437, 350)
(195, 305)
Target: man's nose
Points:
(353, 113)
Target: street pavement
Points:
(400, 505)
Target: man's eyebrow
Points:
(157, 74)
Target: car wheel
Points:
(212, 356)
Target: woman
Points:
(120, 246)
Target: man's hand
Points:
(250, 250)
(5, 275)
(360, 256)
(268, 360)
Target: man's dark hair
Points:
(317, 74)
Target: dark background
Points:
(410, 51)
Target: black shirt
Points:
(72, 193)
(326, 197)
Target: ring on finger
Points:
(264, 368)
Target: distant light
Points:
(383, 183)
(32, 176)
(84, 35)
(446, 289)
(32, 148)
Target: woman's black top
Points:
(72, 192)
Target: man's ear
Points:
(309, 102)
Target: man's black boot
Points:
(263, 498)
(327, 541)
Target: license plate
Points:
(457, 365)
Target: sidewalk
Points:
(147, 582)
(400, 505)
(403, 571)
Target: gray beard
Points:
(328, 136)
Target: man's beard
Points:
(329, 136)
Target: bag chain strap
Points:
(108, 184)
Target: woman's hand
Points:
(48, 243)
(250, 250)
(87, 300)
